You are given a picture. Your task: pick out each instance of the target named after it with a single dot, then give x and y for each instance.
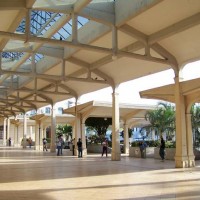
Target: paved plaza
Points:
(27, 174)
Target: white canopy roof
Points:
(117, 41)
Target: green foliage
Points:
(130, 133)
(156, 143)
(161, 119)
(170, 144)
(135, 144)
(195, 118)
(64, 130)
(99, 125)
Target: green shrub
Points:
(155, 143)
(135, 144)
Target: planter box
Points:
(153, 152)
(169, 153)
(135, 152)
(96, 148)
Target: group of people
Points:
(60, 144)
(80, 148)
(143, 145)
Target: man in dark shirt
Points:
(162, 149)
(79, 145)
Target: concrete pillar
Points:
(31, 132)
(8, 129)
(190, 152)
(126, 139)
(41, 134)
(18, 142)
(37, 135)
(24, 131)
(53, 129)
(116, 153)
(4, 132)
(153, 134)
(181, 159)
(83, 139)
(77, 131)
(15, 135)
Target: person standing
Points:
(162, 149)
(143, 147)
(62, 144)
(30, 142)
(79, 145)
(44, 144)
(73, 146)
(59, 145)
(9, 142)
(105, 148)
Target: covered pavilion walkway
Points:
(41, 175)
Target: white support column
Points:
(181, 159)
(190, 152)
(153, 134)
(5, 132)
(83, 139)
(15, 135)
(37, 135)
(31, 132)
(8, 128)
(126, 139)
(77, 131)
(53, 129)
(24, 131)
(41, 136)
(116, 153)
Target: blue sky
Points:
(129, 91)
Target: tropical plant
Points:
(161, 119)
(130, 133)
(99, 125)
(195, 120)
(64, 130)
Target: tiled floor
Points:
(26, 174)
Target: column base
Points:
(84, 152)
(38, 148)
(116, 156)
(126, 150)
(191, 161)
(181, 162)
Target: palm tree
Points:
(162, 119)
(195, 119)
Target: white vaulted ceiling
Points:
(103, 43)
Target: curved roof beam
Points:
(87, 66)
(32, 106)
(11, 105)
(143, 38)
(174, 29)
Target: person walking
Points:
(105, 148)
(79, 145)
(162, 149)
